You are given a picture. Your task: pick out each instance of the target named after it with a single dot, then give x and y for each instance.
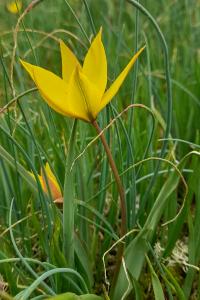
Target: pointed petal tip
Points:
(25, 64)
(141, 50)
(61, 42)
(100, 30)
(99, 34)
(28, 67)
(46, 166)
(69, 61)
(113, 89)
(143, 47)
(62, 45)
(22, 62)
(137, 54)
(95, 63)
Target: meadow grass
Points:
(152, 128)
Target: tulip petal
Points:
(39, 177)
(69, 61)
(95, 63)
(54, 90)
(32, 70)
(111, 92)
(52, 177)
(91, 94)
(28, 67)
(58, 200)
(85, 95)
(41, 182)
(52, 182)
(14, 7)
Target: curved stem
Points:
(122, 201)
(117, 178)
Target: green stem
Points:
(122, 200)
(69, 204)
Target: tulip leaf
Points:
(90, 297)
(71, 296)
(138, 291)
(69, 203)
(157, 287)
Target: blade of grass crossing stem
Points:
(157, 287)
(69, 203)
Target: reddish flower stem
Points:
(121, 195)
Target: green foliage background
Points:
(160, 261)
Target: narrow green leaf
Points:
(66, 296)
(75, 275)
(23, 172)
(90, 297)
(71, 296)
(172, 279)
(136, 287)
(157, 287)
(69, 203)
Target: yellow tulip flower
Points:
(52, 183)
(14, 6)
(81, 92)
